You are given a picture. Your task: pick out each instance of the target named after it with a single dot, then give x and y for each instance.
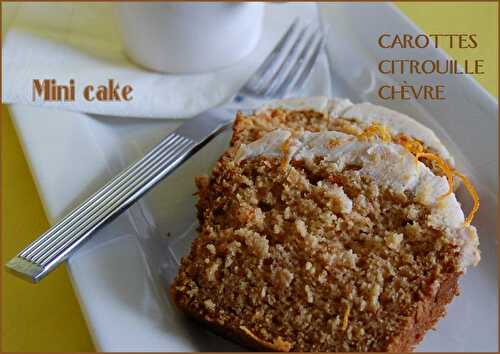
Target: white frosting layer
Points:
(367, 113)
(389, 164)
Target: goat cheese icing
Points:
(367, 113)
(388, 163)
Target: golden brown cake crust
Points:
(430, 310)
(237, 335)
(196, 290)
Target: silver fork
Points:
(285, 69)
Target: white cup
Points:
(189, 37)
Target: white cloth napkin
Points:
(79, 41)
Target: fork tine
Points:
(295, 72)
(310, 64)
(255, 80)
(282, 72)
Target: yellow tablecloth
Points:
(46, 317)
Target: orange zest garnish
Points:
(444, 166)
(450, 173)
(410, 144)
(332, 143)
(473, 193)
(416, 148)
(375, 130)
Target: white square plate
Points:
(118, 275)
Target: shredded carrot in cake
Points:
(278, 344)
(345, 320)
(285, 148)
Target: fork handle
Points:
(54, 246)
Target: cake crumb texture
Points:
(307, 257)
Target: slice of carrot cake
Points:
(327, 226)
